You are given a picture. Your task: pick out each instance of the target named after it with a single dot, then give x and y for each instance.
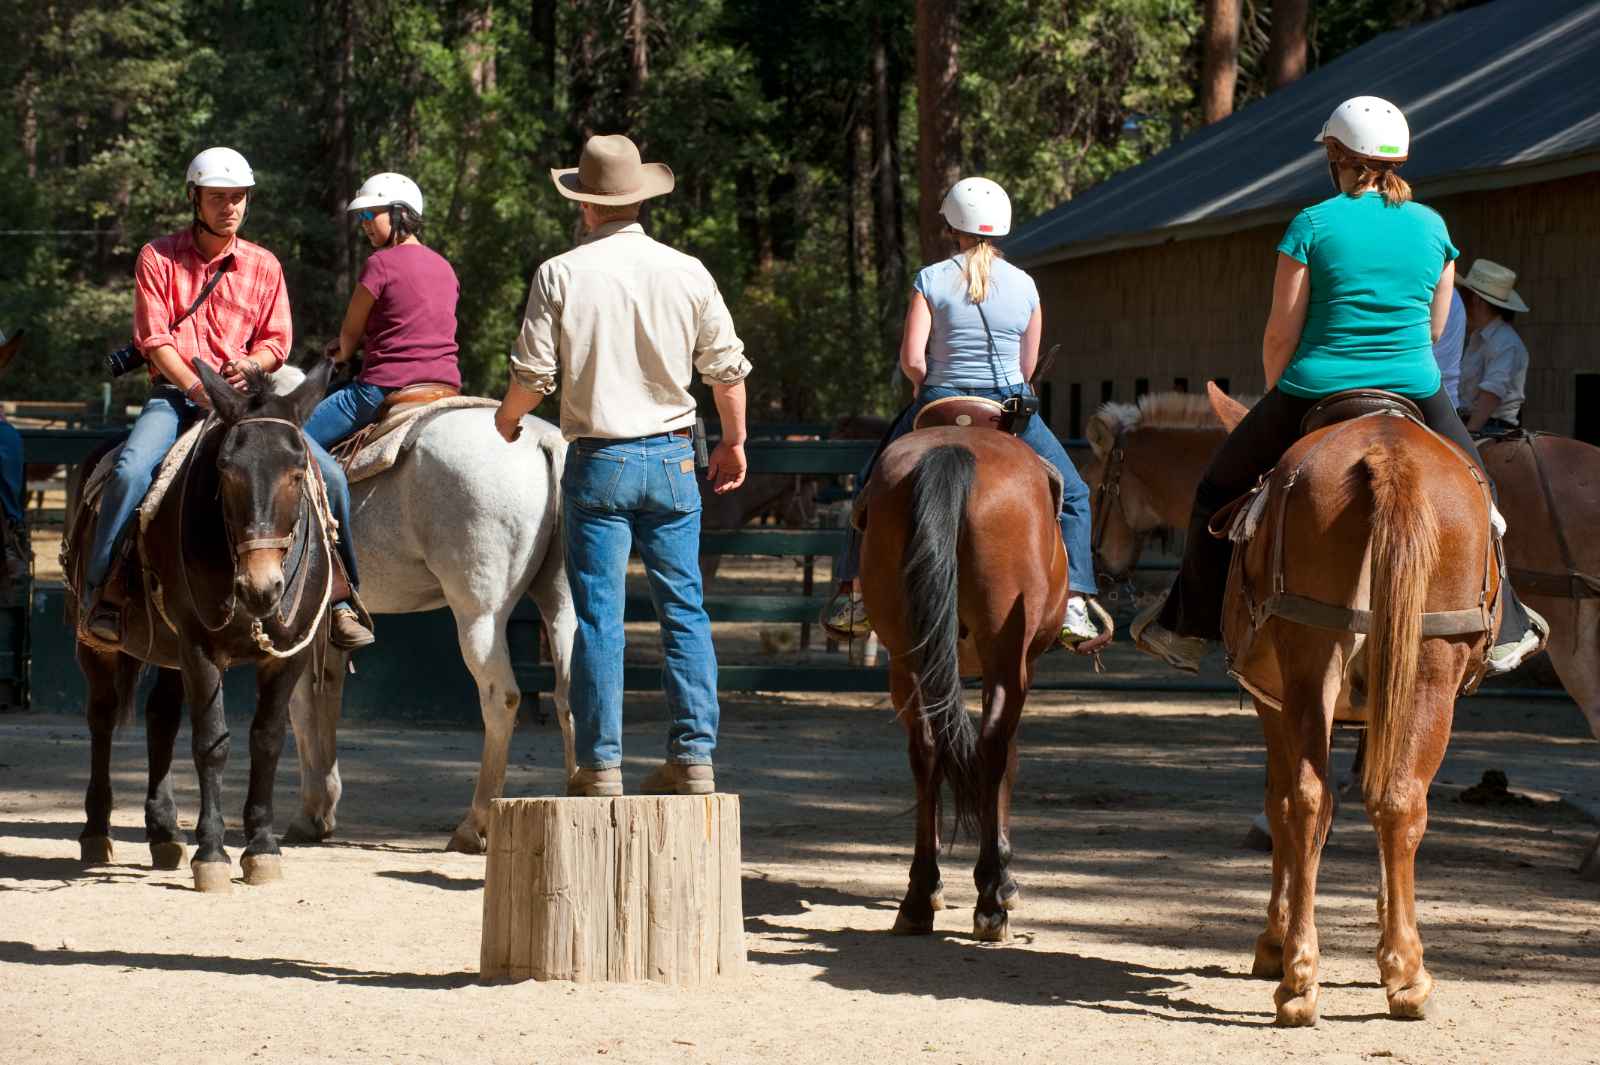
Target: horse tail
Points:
(940, 485)
(1405, 550)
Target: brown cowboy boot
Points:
(346, 631)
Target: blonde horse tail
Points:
(1405, 549)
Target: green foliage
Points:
(752, 102)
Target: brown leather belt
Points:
(601, 441)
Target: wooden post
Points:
(634, 888)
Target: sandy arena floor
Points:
(1131, 945)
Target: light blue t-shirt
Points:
(1447, 349)
(958, 347)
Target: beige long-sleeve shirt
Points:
(625, 321)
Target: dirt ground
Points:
(1132, 943)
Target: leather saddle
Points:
(397, 404)
(961, 412)
(421, 392)
(1356, 403)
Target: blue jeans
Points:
(165, 415)
(1075, 522)
(617, 494)
(347, 408)
(11, 482)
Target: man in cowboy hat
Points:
(1494, 365)
(622, 323)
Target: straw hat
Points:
(1494, 283)
(609, 173)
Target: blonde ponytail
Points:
(980, 260)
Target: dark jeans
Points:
(1194, 605)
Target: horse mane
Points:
(1164, 410)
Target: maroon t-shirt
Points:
(411, 332)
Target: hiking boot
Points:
(846, 617)
(678, 778)
(1505, 657)
(595, 783)
(346, 631)
(1151, 637)
(105, 622)
(1087, 627)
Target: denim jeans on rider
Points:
(1075, 519)
(11, 480)
(637, 493)
(165, 415)
(351, 406)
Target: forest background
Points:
(812, 141)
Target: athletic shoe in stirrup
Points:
(1508, 656)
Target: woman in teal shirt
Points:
(1362, 290)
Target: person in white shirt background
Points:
(1494, 364)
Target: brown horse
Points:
(963, 571)
(1368, 592)
(1149, 459)
(237, 568)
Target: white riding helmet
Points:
(1370, 127)
(978, 206)
(381, 190)
(218, 168)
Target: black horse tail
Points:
(940, 484)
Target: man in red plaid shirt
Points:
(242, 330)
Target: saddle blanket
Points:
(391, 438)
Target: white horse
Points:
(467, 521)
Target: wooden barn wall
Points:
(1148, 317)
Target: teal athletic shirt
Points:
(1373, 272)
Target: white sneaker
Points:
(1505, 657)
(846, 617)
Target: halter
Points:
(316, 512)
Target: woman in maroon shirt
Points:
(402, 314)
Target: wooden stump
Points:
(633, 888)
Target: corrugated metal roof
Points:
(1508, 85)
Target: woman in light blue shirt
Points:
(972, 329)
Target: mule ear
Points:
(308, 393)
(1229, 411)
(9, 349)
(229, 403)
(1102, 438)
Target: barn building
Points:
(1161, 276)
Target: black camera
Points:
(124, 359)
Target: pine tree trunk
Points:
(1219, 71)
(638, 45)
(341, 137)
(890, 259)
(858, 212)
(938, 119)
(542, 54)
(1286, 48)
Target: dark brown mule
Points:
(236, 570)
(963, 571)
(1379, 527)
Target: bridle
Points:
(1108, 493)
(295, 581)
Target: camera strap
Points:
(222, 267)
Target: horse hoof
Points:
(936, 900)
(1411, 1003)
(467, 841)
(261, 868)
(304, 829)
(95, 850)
(168, 855)
(1269, 960)
(1259, 837)
(1011, 896)
(212, 877)
(912, 926)
(991, 928)
(1298, 1011)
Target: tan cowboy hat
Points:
(1494, 283)
(609, 172)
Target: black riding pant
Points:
(1194, 605)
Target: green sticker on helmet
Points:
(1388, 149)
